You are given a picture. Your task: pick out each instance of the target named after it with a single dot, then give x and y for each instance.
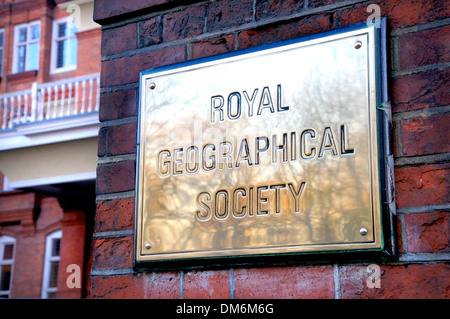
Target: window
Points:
(7, 245)
(51, 265)
(26, 47)
(2, 44)
(64, 45)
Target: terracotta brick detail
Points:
(149, 32)
(111, 253)
(207, 284)
(118, 177)
(184, 24)
(422, 185)
(414, 281)
(115, 140)
(150, 285)
(285, 282)
(426, 135)
(425, 47)
(226, 14)
(118, 105)
(126, 70)
(119, 40)
(213, 46)
(420, 90)
(427, 232)
(264, 35)
(115, 215)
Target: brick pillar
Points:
(161, 33)
(45, 42)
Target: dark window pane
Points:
(61, 30)
(8, 252)
(53, 280)
(51, 295)
(5, 277)
(56, 244)
(60, 54)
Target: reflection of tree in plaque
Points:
(265, 152)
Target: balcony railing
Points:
(49, 101)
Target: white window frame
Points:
(29, 41)
(47, 262)
(5, 240)
(2, 49)
(70, 22)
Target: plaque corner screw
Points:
(148, 245)
(363, 231)
(152, 86)
(358, 44)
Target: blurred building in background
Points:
(49, 99)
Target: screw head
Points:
(152, 85)
(148, 245)
(358, 44)
(363, 231)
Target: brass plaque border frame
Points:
(381, 216)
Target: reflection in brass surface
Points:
(273, 151)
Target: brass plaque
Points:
(262, 152)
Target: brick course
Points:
(419, 90)
(115, 252)
(183, 24)
(285, 282)
(117, 177)
(427, 232)
(150, 285)
(149, 32)
(424, 47)
(429, 135)
(169, 32)
(207, 284)
(126, 70)
(422, 185)
(120, 39)
(123, 137)
(409, 281)
(115, 215)
(118, 105)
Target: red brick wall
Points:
(138, 35)
(24, 11)
(11, 14)
(30, 218)
(88, 56)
